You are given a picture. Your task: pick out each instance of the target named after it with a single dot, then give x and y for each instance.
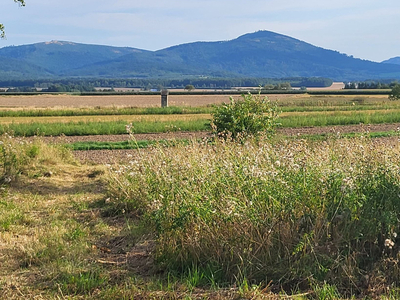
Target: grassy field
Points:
(312, 217)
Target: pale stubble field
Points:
(48, 101)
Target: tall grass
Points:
(21, 157)
(296, 213)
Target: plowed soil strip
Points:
(116, 156)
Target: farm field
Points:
(46, 101)
(293, 217)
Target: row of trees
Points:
(197, 83)
(279, 86)
(54, 88)
(370, 84)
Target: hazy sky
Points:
(366, 29)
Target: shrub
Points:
(250, 116)
(395, 93)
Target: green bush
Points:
(395, 93)
(250, 116)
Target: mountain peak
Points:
(263, 54)
(393, 60)
(264, 34)
(61, 43)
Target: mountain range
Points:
(261, 54)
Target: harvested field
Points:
(54, 101)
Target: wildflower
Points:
(129, 127)
(389, 243)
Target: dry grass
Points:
(336, 113)
(112, 118)
(293, 212)
(50, 230)
(60, 238)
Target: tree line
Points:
(371, 85)
(85, 85)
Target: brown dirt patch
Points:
(115, 156)
(125, 137)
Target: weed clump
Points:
(296, 213)
(19, 156)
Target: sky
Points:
(366, 29)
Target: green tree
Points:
(395, 93)
(2, 32)
(269, 86)
(189, 87)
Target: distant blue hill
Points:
(260, 54)
(394, 60)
